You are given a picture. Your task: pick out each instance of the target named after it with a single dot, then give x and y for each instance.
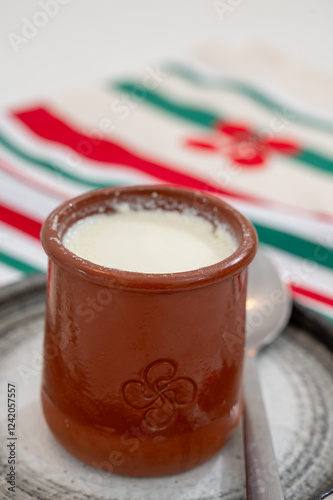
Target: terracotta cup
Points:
(143, 373)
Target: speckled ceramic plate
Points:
(297, 379)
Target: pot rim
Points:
(110, 277)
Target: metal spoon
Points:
(268, 312)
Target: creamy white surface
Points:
(149, 241)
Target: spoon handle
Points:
(262, 476)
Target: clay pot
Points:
(143, 373)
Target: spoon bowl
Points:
(268, 306)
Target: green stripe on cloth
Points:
(17, 264)
(313, 158)
(50, 166)
(260, 97)
(300, 247)
(326, 316)
(195, 115)
(209, 119)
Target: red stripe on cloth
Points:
(31, 181)
(310, 294)
(201, 144)
(43, 123)
(20, 221)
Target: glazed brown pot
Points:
(143, 373)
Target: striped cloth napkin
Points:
(186, 124)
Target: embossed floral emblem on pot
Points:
(159, 394)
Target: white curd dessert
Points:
(149, 241)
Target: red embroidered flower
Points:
(242, 145)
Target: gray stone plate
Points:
(297, 379)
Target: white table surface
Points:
(87, 40)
